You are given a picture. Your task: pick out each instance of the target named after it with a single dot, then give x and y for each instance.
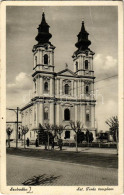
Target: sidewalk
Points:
(65, 148)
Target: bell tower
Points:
(43, 51)
(83, 56)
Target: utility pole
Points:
(17, 111)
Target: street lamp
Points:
(16, 110)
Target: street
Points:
(27, 170)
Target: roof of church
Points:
(83, 41)
(43, 32)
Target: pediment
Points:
(66, 72)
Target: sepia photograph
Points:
(62, 124)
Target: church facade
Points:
(59, 97)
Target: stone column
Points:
(37, 86)
(58, 87)
(92, 116)
(78, 88)
(72, 88)
(84, 114)
(57, 113)
(61, 91)
(75, 89)
(41, 113)
(81, 87)
(49, 58)
(40, 57)
(37, 114)
(51, 112)
(51, 87)
(80, 65)
(76, 113)
(52, 58)
(81, 114)
(81, 62)
(41, 86)
(83, 95)
(33, 115)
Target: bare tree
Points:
(48, 128)
(9, 132)
(113, 124)
(58, 130)
(24, 131)
(76, 127)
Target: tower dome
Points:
(43, 32)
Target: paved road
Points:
(23, 170)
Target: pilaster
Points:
(41, 112)
(84, 113)
(51, 87)
(58, 88)
(57, 113)
(75, 89)
(76, 113)
(61, 91)
(93, 116)
(41, 86)
(51, 112)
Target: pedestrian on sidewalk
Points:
(36, 143)
(27, 142)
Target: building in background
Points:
(59, 97)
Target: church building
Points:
(59, 97)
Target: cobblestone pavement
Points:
(31, 171)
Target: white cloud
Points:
(104, 112)
(105, 65)
(22, 81)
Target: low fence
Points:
(92, 145)
(69, 143)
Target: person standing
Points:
(36, 143)
(27, 141)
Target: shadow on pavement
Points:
(40, 180)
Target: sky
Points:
(101, 22)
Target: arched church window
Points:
(87, 89)
(66, 89)
(67, 114)
(86, 64)
(45, 59)
(46, 113)
(46, 86)
(87, 115)
(76, 66)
